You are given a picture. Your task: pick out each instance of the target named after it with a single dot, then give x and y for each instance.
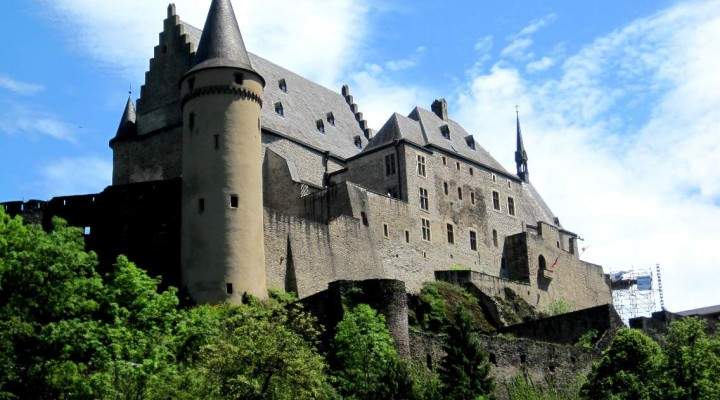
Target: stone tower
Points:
(223, 255)
(521, 157)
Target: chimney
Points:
(439, 107)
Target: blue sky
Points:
(618, 100)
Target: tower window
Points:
(472, 172)
(239, 78)
(496, 200)
(459, 193)
(473, 241)
(363, 216)
(229, 288)
(201, 205)
(421, 165)
(444, 160)
(457, 165)
(445, 130)
(445, 188)
(191, 84)
(472, 197)
(424, 202)
(495, 238)
(279, 109)
(320, 126)
(451, 233)
(511, 206)
(494, 178)
(541, 262)
(234, 201)
(330, 119)
(216, 138)
(390, 164)
(407, 236)
(191, 121)
(426, 229)
(509, 183)
(282, 85)
(386, 231)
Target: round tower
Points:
(223, 255)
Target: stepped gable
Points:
(303, 105)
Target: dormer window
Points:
(445, 130)
(470, 140)
(320, 125)
(282, 85)
(279, 109)
(331, 119)
(239, 78)
(358, 142)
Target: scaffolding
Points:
(633, 292)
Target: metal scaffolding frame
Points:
(634, 292)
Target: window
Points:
(393, 192)
(363, 216)
(390, 164)
(571, 246)
(472, 172)
(426, 229)
(494, 178)
(451, 233)
(445, 188)
(87, 230)
(330, 118)
(421, 165)
(201, 205)
(407, 236)
(279, 109)
(229, 288)
(496, 200)
(472, 197)
(424, 200)
(541, 263)
(444, 160)
(239, 78)
(191, 84)
(495, 238)
(459, 193)
(191, 121)
(457, 165)
(511, 206)
(282, 85)
(509, 183)
(358, 142)
(216, 139)
(473, 241)
(445, 130)
(320, 126)
(233, 201)
(386, 231)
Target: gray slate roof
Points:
(701, 311)
(304, 103)
(221, 44)
(127, 125)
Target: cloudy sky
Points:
(619, 100)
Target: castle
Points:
(233, 175)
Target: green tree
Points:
(692, 369)
(465, 368)
(368, 366)
(628, 369)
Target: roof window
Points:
(320, 125)
(470, 140)
(358, 142)
(282, 85)
(445, 130)
(331, 119)
(279, 109)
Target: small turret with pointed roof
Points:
(127, 127)
(221, 43)
(521, 157)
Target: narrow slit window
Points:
(473, 241)
(450, 234)
(445, 188)
(472, 172)
(494, 178)
(444, 160)
(234, 200)
(511, 206)
(201, 205)
(386, 231)
(495, 238)
(364, 218)
(472, 197)
(229, 288)
(407, 236)
(459, 193)
(457, 165)
(216, 139)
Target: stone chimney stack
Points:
(439, 107)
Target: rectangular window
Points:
(472, 197)
(229, 288)
(421, 165)
(444, 160)
(494, 178)
(87, 230)
(457, 166)
(216, 138)
(451, 233)
(473, 241)
(511, 206)
(407, 236)
(424, 201)
(496, 200)
(472, 172)
(234, 201)
(201, 205)
(495, 238)
(363, 216)
(386, 231)
(390, 164)
(426, 229)
(445, 188)
(459, 193)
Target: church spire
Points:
(127, 127)
(521, 157)
(221, 44)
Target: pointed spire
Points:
(127, 127)
(521, 157)
(221, 44)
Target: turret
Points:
(521, 157)
(128, 123)
(223, 255)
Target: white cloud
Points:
(522, 41)
(18, 87)
(517, 48)
(70, 176)
(537, 24)
(21, 120)
(539, 65)
(624, 145)
(484, 44)
(318, 39)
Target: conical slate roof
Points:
(520, 153)
(221, 44)
(127, 125)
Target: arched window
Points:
(541, 262)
